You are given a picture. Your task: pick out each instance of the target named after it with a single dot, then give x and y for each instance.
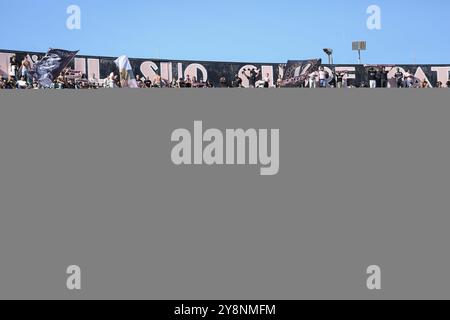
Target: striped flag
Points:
(127, 78)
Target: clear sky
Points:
(412, 31)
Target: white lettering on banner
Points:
(349, 72)
(191, 71)
(268, 70)
(442, 73)
(280, 72)
(393, 71)
(148, 69)
(80, 65)
(301, 70)
(180, 71)
(4, 64)
(330, 74)
(245, 81)
(93, 68)
(422, 76)
(166, 71)
(242, 147)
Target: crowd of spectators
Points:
(21, 77)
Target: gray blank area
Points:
(86, 179)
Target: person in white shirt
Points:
(409, 79)
(312, 79)
(22, 84)
(110, 81)
(323, 77)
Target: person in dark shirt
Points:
(448, 84)
(147, 83)
(209, 84)
(372, 77)
(237, 82)
(14, 65)
(139, 81)
(223, 82)
(399, 78)
(340, 79)
(10, 83)
(252, 77)
(384, 77)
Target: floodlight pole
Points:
(329, 53)
(359, 46)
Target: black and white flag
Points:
(51, 65)
(297, 71)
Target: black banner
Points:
(297, 71)
(97, 68)
(51, 65)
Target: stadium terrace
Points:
(28, 70)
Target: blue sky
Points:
(258, 31)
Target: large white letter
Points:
(181, 153)
(215, 147)
(241, 136)
(374, 20)
(74, 20)
(374, 281)
(74, 280)
(442, 73)
(274, 159)
(191, 70)
(198, 142)
(148, 69)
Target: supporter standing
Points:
(139, 81)
(157, 82)
(372, 73)
(384, 77)
(340, 79)
(323, 76)
(25, 69)
(313, 79)
(14, 66)
(237, 82)
(110, 82)
(223, 81)
(188, 82)
(409, 79)
(399, 78)
(252, 77)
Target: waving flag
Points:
(297, 71)
(127, 78)
(50, 66)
